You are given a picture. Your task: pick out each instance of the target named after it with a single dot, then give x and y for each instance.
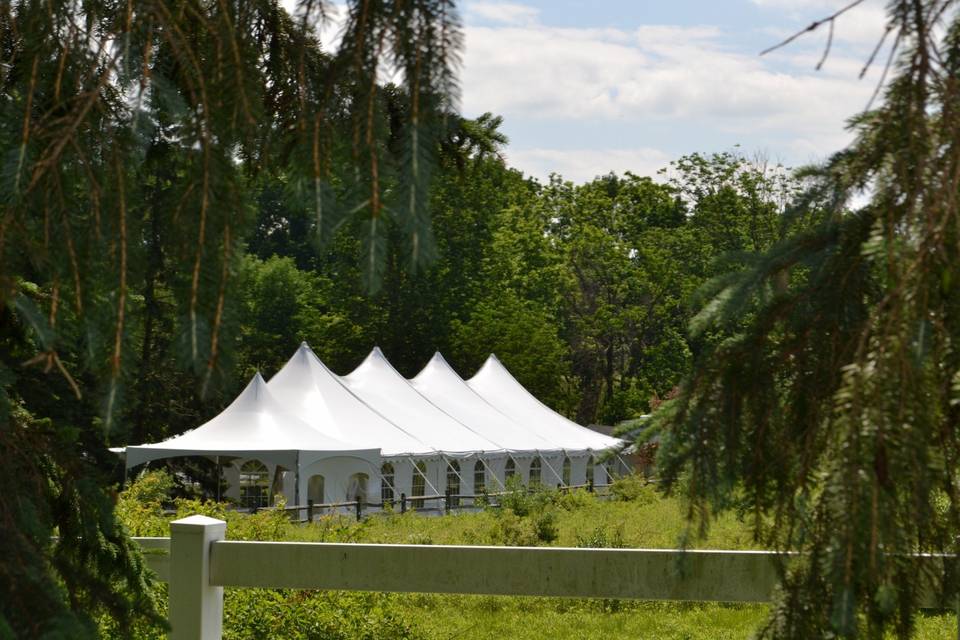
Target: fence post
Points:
(196, 607)
(359, 506)
(309, 510)
(446, 500)
(403, 503)
(590, 486)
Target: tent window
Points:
(590, 470)
(386, 483)
(479, 478)
(453, 482)
(419, 484)
(254, 485)
(510, 470)
(315, 489)
(566, 471)
(357, 487)
(535, 467)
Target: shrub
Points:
(575, 499)
(599, 538)
(634, 488)
(523, 500)
(511, 530)
(140, 504)
(545, 526)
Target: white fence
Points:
(197, 562)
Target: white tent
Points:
(498, 387)
(379, 385)
(256, 425)
(441, 385)
(308, 389)
(338, 432)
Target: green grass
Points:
(645, 521)
(483, 617)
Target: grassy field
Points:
(642, 519)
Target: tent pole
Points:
(219, 477)
(296, 484)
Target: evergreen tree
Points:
(827, 408)
(132, 138)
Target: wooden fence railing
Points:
(448, 501)
(198, 562)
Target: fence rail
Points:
(198, 562)
(449, 501)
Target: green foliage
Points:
(58, 588)
(140, 506)
(135, 143)
(252, 614)
(634, 488)
(823, 401)
(595, 523)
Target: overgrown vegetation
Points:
(637, 518)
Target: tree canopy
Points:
(133, 139)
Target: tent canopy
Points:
(498, 387)
(255, 425)
(309, 390)
(383, 389)
(441, 385)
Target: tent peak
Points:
(437, 362)
(257, 385)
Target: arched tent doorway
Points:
(419, 484)
(315, 488)
(509, 470)
(254, 485)
(479, 478)
(453, 483)
(536, 468)
(357, 487)
(387, 481)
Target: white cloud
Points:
(682, 77)
(669, 72)
(581, 165)
(502, 12)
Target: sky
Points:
(586, 88)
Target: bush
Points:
(545, 526)
(512, 530)
(634, 488)
(599, 538)
(523, 500)
(140, 504)
(575, 499)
